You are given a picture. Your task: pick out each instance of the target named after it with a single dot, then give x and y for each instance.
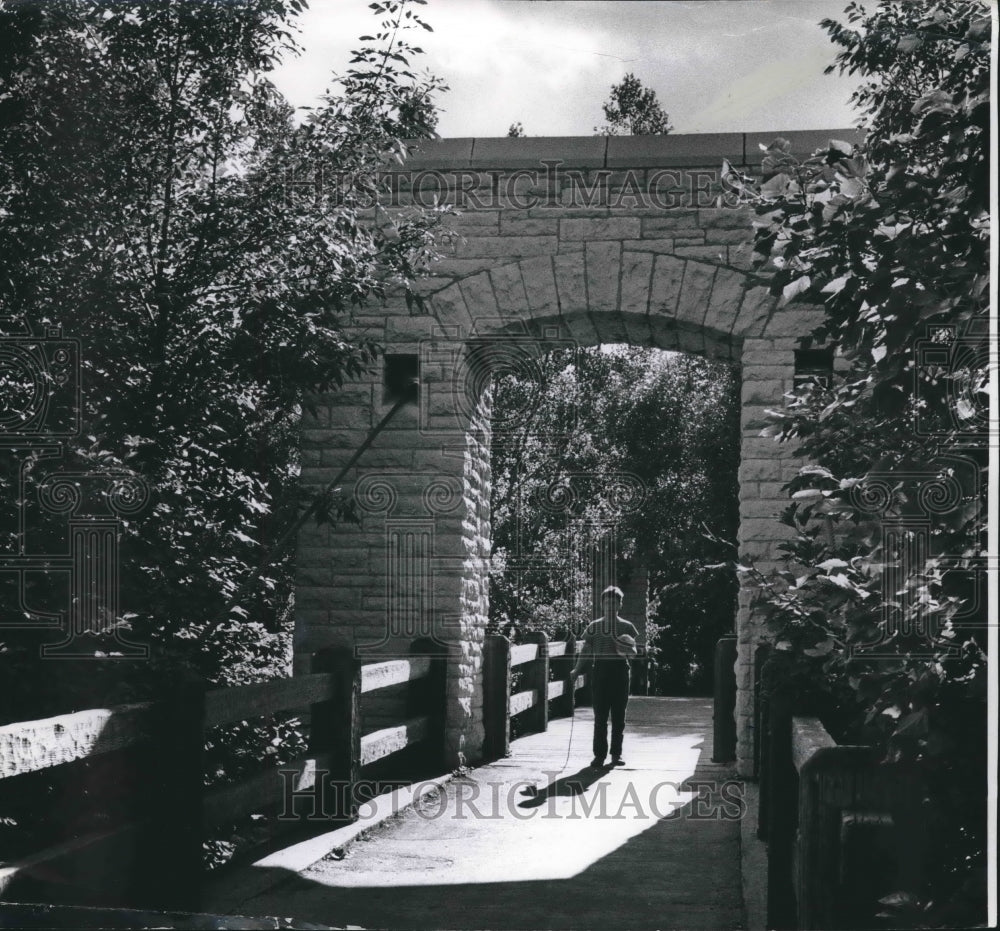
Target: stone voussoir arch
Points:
(615, 295)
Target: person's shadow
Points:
(576, 784)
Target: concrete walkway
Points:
(541, 840)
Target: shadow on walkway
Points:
(576, 784)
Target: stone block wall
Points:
(768, 369)
(417, 564)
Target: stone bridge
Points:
(559, 242)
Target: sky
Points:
(716, 65)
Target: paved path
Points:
(540, 840)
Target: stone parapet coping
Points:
(682, 150)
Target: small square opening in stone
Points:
(401, 377)
(813, 365)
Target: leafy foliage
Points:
(208, 253)
(883, 605)
(633, 110)
(418, 116)
(581, 436)
(515, 130)
(159, 202)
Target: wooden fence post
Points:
(763, 686)
(336, 729)
(760, 657)
(567, 701)
(430, 696)
(724, 705)
(496, 696)
(848, 840)
(782, 813)
(828, 784)
(179, 832)
(538, 679)
(583, 695)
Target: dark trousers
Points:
(610, 691)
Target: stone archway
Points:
(523, 281)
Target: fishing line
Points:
(569, 745)
(532, 791)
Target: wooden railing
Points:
(168, 837)
(724, 701)
(546, 687)
(839, 828)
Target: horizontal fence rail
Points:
(394, 672)
(524, 653)
(229, 803)
(168, 839)
(389, 740)
(226, 706)
(30, 746)
(523, 701)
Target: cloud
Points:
(507, 62)
(787, 93)
(743, 65)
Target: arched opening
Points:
(617, 465)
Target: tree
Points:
(208, 253)
(515, 130)
(883, 606)
(633, 110)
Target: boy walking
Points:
(609, 644)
